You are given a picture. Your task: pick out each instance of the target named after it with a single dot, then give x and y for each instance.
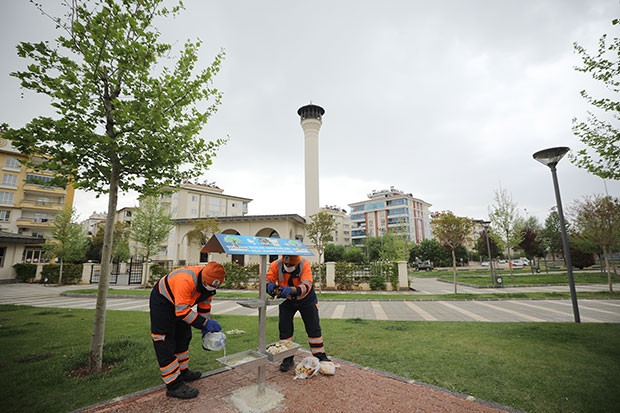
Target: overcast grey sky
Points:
(446, 100)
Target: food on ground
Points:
(280, 347)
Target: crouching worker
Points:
(291, 277)
(172, 316)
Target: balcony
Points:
(41, 205)
(26, 222)
(42, 189)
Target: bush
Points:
(377, 283)
(71, 273)
(157, 271)
(25, 271)
(240, 278)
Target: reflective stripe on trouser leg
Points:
(170, 372)
(316, 344)
(183, 359)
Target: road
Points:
(511, 310)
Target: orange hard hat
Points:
(213, 274)
(291, 259)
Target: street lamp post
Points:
(486, 234)
(550, 157)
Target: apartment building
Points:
(29, 202)
(342, 234)
(390, 210)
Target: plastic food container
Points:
(280, 350)
(244, 360)
(214, 341)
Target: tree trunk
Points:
(95, 355)
(60, 272)
(608, 268)
(454, 268)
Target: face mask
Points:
(289, 268)
(209, 287)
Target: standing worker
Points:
(172, 316)
(291, 277)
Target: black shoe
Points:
(191, 375)
(287, 364)
(321, 357)
(182, 392)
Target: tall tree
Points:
(68, 242)
(597, 219)
(552, 234)
(150, 226)
(531, 242)
(601, 136)
(505, 222)
(125, 120)
(319, 230)
(452, 232)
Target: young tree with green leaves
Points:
(319, 230)
(120, 242)
(124, 120)
(203, 231)
(69, 242)
(600, 135)
(531, 242)
(552, 234)
(597, 219)
(150, 226)
(505, 223)
(453, 232)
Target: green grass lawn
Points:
(521, 279)
(536, 367)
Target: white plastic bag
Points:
(307, 367)
(328, 368)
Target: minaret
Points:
(311, 122)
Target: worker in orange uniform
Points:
(291, 277)
(172, 315)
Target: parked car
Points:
(520, 261)
(424, 266)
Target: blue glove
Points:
(271, 289)
(286, 291)
(211, 326)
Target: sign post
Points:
(247, 245)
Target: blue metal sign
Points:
(248, 245)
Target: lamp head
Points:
(550, 157)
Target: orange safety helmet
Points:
(213, 275)
(291, 259)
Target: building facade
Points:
(342, 234)
(390, 210)
(29, 202)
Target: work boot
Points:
(191, 375)
(182, 391)
(321, 356)
(287, 364)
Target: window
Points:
(12, 163)
(6, 197)
(5, 215)
(33, 255)
(9, 179)
(2, 255)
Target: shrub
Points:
(240, 277)
(377, 283)
(157, 271)
(71, 273)
(25, 271)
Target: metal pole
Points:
(565, 245)
(262, 322)
(486, 234)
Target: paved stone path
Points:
(591, 311)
